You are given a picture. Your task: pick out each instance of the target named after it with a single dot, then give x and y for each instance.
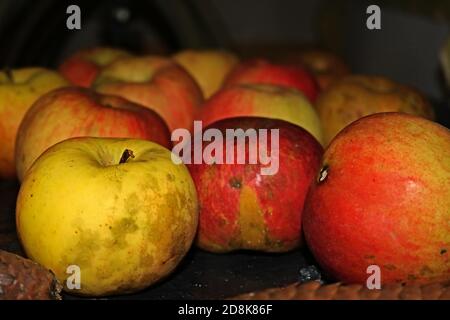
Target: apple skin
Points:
(82, 67)
(242, 209)
(126, 226)
(355, 96)
(78, 112)
(18, 91)
(383, 200)
(326, 66)
(260, 71)
(258, 100)
(156, 82)
(208, 67)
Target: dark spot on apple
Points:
(235, 183)
(426, 270)
(120, 230)
(146, 260)
(83, 251)
(412, 277)
(323, 174)
(369, 256)
(390, 267)
(132, 204)
(31, 195)
(443, 251)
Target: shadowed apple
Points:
(77, 112)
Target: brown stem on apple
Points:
(9, 74)
(127, 154)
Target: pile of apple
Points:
(91, 144)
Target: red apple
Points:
(382, 198)
(263, 72)
(326, 66)
(260, 100)
(77, 112)
(156, 82)
(82, 67)
(241, 208)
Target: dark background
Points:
(406, 48)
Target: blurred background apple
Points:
(19, 89)
(77, 112)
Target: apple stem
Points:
(9, 74)
(127, 154)
(323, 174)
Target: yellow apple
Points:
(208, 67)
(83, 66)
(19, 89)
(120, 210)
(354, 96)
(262, 100)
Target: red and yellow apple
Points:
(267, 101)
(119, 211)
(82, 68)
(356, 96)
(382, 198)
(78, 112)
(18, 90)
(261, 71)
(326, 66)
(208, 67)
(242, 208)
(158, 83)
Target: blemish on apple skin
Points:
(83, 251)
(412, 277)
(443, 251)
(235, 183)
(426, 270)
(390, 267)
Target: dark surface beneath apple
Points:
(201, 275)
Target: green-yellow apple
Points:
(18, 90)
(382, 200)
(78, 112)
(83, 66)
(355, 96)
(119, 210)
(258, 100)
(208, 67)
(157, 83)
